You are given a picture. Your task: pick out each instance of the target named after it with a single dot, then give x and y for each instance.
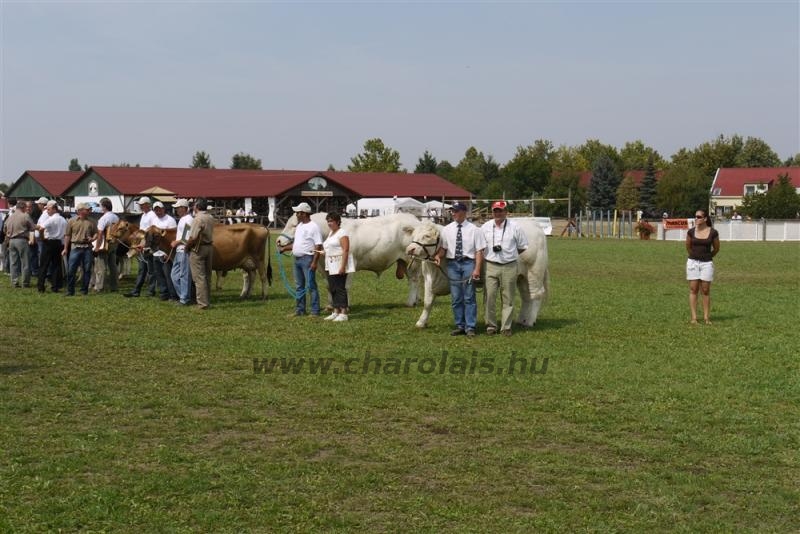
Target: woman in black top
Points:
(702, 244)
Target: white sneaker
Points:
(331, 317)
(341, 317)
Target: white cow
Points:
(376, 243)
(532, 279)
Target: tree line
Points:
(677, 186)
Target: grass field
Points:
(132, 415)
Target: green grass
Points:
(131, 415)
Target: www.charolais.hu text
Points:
(368, 364)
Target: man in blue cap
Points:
(463, 244)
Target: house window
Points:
(750, 189)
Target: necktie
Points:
(459, 244)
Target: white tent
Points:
(372, 207)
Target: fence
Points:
(763, 230)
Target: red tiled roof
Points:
(215, 183)
(389, 184)
(54, 182)
(730, 182)
(638, 177)
(235, 183)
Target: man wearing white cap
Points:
(181, 273)
(145, 258)
(78, 238)
(53, 228)
(162, 262)
(505, 241)
(306, 249)
(106, 253)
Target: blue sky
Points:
(304, 85)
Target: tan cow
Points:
(236, 246)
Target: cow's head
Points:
(287, 236)
(119, 231)
(424, 241)
(136, 240)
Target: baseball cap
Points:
(51, 203)
(500, 205)
(143, 200)
(82, 206)
(41, 200)
(303, 206)
(158, 204)
(181, 203)
(459, 206)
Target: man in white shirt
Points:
(52, 229)
(505, 242)
(181, 274)
(161, 261)
(145, 258)
(463, 243)
(105, 253)
(306, 249)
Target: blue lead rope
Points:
(289, 289)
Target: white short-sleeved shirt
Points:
(334, 253)
(509, 236)
(148, 219)
(306, 238)
(184, 227)
(55, 227)
(166, 222)
(472, 239)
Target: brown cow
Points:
(236, 246)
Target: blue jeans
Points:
(146, 267)
(82, 257)
(182, 276)
(306, 282)
(465, 307)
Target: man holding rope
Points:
(306, 249)
(464, 245)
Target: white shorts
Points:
(700, 270)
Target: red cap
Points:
(499, 205)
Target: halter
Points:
(289, 238)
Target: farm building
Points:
(731, 184)
(265, 192)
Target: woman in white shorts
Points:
(702, 244)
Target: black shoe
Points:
(128, 295)
(164, 297)
(457, 332)
(69, 294)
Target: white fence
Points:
(763, 230)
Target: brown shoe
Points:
(506, 333)
(490, 331)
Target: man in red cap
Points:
(505, 241)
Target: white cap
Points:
(143, 200)
(41, 200)
(51, 203)
(158, 204)
(181, 203)
(303, 206)
(83, 206)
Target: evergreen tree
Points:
(603, 186)
(426, 164)
(647, 191)
(201, 160)
(74, 165)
